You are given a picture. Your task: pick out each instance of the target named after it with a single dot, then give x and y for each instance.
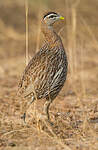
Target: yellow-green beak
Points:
(62, 18)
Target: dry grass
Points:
(27, 28)
(74, 113)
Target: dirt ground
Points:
(74, 113)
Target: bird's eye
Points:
(52, 16)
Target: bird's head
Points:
(51, 17)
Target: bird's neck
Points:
(50, 35)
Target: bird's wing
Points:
(34, 72)
(28, 91)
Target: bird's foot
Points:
(44, 118)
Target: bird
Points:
(45, 74)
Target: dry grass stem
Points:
(27, 28)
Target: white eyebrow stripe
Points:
(52, 15)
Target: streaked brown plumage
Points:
(46, 72)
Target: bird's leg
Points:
(24, 115)
(44, 118)
(46, 108)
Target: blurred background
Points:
(79, 33)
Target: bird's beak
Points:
(61, 18)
